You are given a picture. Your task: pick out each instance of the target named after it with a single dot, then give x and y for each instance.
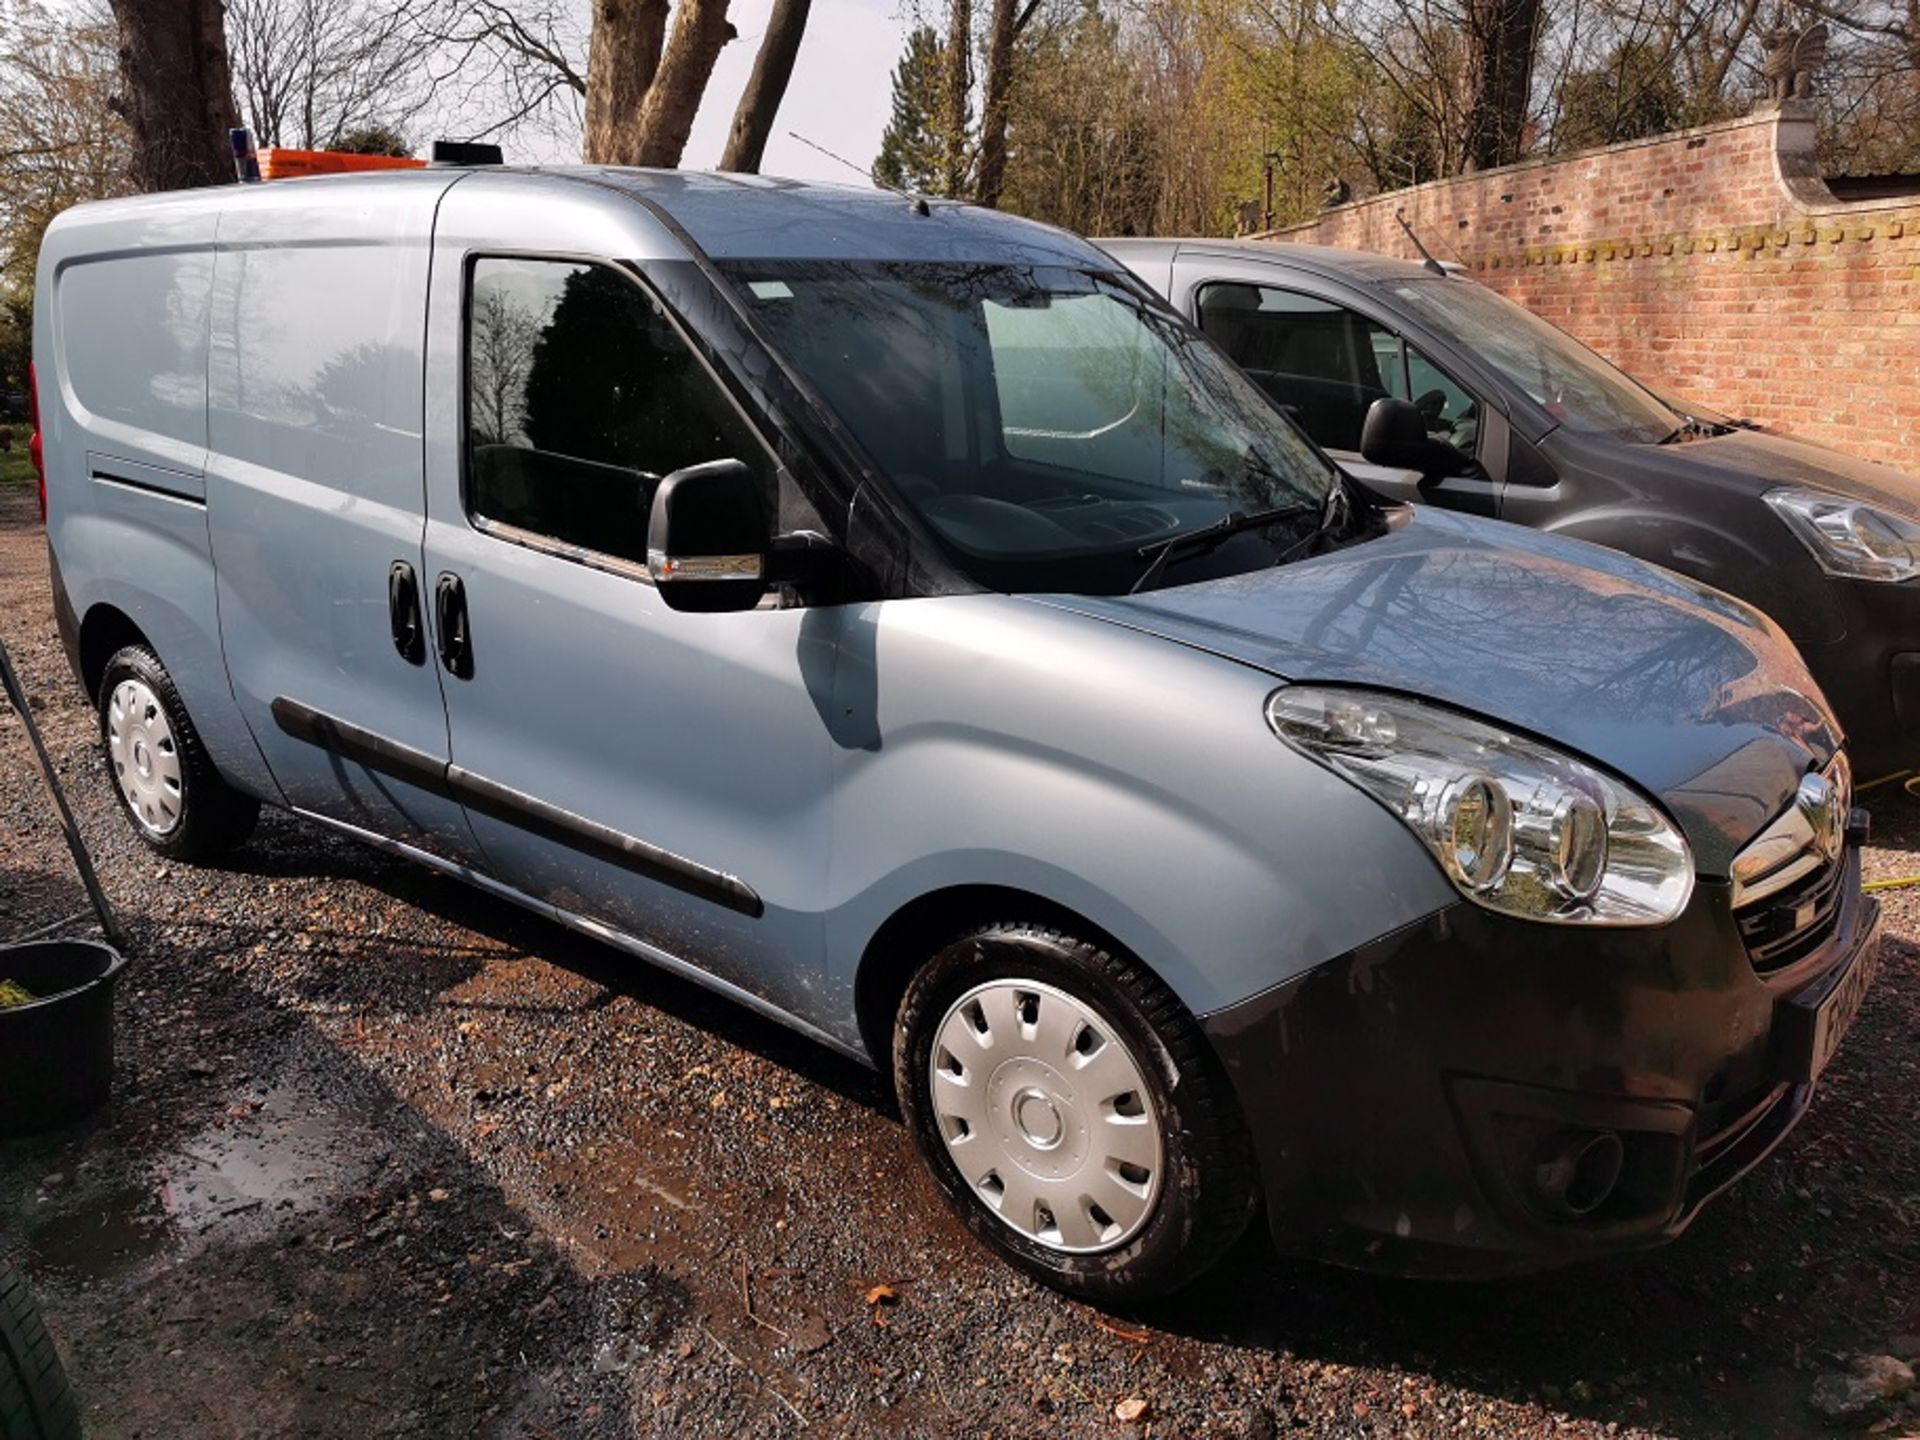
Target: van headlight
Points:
(1848, 538)
(1518, 826)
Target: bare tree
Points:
(622, 60)
(766, 87)
(177, 94)
(1503, 38)
(508, 63)
(641, 81)
(959, 92)
(308, 71)
(700, 30)
(1003, 34)
(505, 332)
(61, 142)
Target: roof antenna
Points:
(916, 203)
(1432, 264)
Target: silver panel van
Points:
(893, 615)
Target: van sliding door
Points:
(315, 494)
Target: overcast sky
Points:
(839, 97)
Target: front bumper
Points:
(1412, 1102)
(1869, 671)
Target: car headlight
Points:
(1517, 826)
(1849, 538)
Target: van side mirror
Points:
(1394, 434)
(708, 538)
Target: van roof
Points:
(761, 217)
(1326, 260)
(728, 216)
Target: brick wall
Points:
(1712, 262)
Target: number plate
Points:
(1815, 1020)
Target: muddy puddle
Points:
(277, 1155)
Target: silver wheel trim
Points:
(1046, 1114)
(145, 758)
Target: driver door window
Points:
(580, 396)
(1324, 364)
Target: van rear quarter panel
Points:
(996, 740)
(120, 345)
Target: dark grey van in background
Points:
(894, 617)
(1518, 420)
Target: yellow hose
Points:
(1907, 775)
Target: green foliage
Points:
(913, 146)
(1082, 138)
(372, 140)
(16, 466)
(16, 333)
(63, 144)
(61, 137)
(1634, 94)
(1304, 91)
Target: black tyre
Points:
(171, 794)
(36, 1402)
(1072, 1112)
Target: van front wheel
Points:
(1072, 1112)
(168, 788)
(36, 1403)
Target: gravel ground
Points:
(387, 1157)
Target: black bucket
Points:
(56, 1052)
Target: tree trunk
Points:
(760, 101)
(959, 83)
(1502, 39)
(177, 96)
(993, 107)
(623, 54)
(700, 29)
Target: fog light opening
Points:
(1579, 1171)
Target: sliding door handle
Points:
(403, 609)
(450, 626)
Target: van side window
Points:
(580, 396)
(1322, 362)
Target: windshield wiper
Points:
(1691, 428)
(1335, 512)
(1207, 536)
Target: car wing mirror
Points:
(1394, 434)
(708, 539)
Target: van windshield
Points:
(1571, 383)
(1046, 422)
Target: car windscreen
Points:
(1574, 385)
(1046, 422)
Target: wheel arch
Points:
(912, 933)
(105, 630)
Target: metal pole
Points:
(17, 697)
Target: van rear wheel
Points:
(1072, 1113)
(168, 787)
